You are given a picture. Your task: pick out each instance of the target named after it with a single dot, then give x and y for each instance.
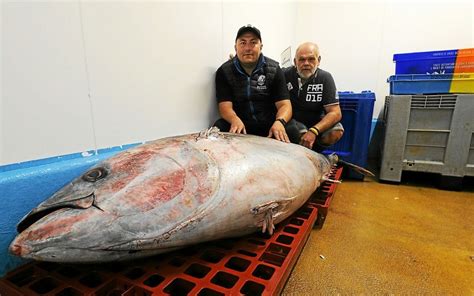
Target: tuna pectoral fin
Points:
(268, 222)
(269, 210)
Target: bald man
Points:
(314, 100)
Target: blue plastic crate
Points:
(435, 62)
(357, 109)
(431, 84)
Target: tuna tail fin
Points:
(334, 159)
(357, 168)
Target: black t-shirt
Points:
(309, 100)
(253, 97)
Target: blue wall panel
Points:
(24, 185)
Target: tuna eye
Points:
(94, 175)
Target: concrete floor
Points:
(379, 239)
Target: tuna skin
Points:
(171, 193)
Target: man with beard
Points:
(314, 100)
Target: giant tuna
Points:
(171, 193)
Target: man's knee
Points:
(294, 129)
(331, 137)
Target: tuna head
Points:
(137, 196)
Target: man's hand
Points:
(278, 128)
(308, 140)
(278, 132)
(226, 110)
(237, 126)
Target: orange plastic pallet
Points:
(256, 264)
(322, 197)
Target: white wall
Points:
(84, 75)
(88, 75)
(44, 91)
(1, 86)
(80, 75)
(358, 38)
(275, 20)
(150, 67)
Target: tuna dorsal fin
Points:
(212, 132)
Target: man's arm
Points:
(278, 129)
(281, 97)
(224, 99)
(333, 116)
(284, 110)
(227, 112)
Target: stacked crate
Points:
(433, 72)
(357, 109)
(428, 116)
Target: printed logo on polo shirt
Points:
(314, 93)
(290, 86)
(261, 82)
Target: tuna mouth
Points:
(36, 214)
